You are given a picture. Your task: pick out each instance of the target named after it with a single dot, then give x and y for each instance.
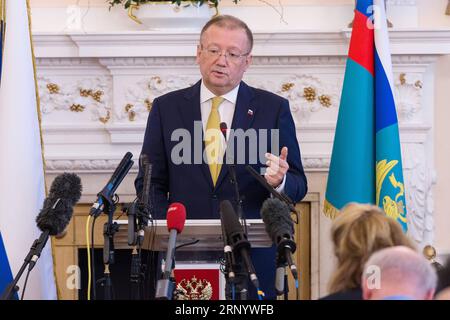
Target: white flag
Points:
(22, 188)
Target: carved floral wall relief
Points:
(139, 96)
(307, 94)
(90, 95)
(408, 95)
(419, 181)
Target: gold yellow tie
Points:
(213, 139)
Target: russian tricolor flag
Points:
(366, 164)
(22, 183)
(5, 270)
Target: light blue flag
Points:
(366, 163)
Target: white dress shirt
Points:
(226, 112)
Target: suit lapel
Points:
(244, 114)
(190, 112)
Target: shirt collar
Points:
(206, 94)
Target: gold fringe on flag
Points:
(329, 210)
(2, 22)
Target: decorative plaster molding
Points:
(67, 62)
(283, 60)
(408, 95)
(90, 94)
(139, 62)
(401, 2)
(280, 43)
(84, 166)
(316, 163)
(419, 181)
(306, 93)
(414, 59)
(139, 97)
(93, 166)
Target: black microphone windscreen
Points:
(229, 218)
(57, 209)
(55, 215)
(277, 218)
(67, 186)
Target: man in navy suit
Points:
(186, 148)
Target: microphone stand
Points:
(230, 276)
(233, 179)
(135, 261)
(286, 286)
(236, 283)
(109, 229)
(281, 265)
(138, 218)
(135, 270)
(106, 204)
(136, 274)
(239, 211)
(12, 289)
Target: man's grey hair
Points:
(229, 22)
(399, 265)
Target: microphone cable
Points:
(88, 258)
(90, 247)
(187, 244)
(94, 281)
(151, 257)
(25, 284)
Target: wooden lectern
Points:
(207, 232)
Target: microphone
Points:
(147, 168)
(280, 274)
(280, 228)
(113, 183)
(237, 238)
(228, 252)
(53, 218)
(56, 211)
(281, 196)
(176, 217)
(233, 177)
(142, 208)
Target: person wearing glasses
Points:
(194, 169)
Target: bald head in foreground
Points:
(398, 273)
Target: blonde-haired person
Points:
(359, 231)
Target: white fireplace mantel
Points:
(179, 44)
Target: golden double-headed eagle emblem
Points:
(392, 207)
(194, 289)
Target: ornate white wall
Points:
(97, 87)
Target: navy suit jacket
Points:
(191, 183)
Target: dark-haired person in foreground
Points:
(223, 55)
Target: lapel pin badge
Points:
(250, 112)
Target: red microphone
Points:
(176, 217)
